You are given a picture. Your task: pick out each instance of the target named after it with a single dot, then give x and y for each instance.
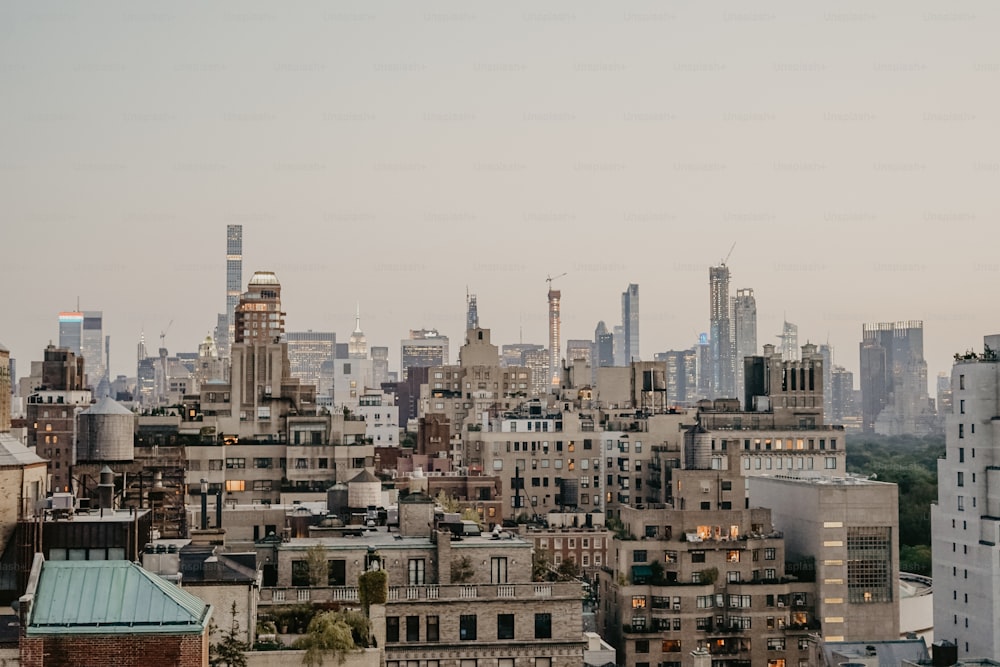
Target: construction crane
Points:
(729, 253)
(551, 278)
(163, 334)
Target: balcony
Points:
(485, 592)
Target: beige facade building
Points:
(713, 579)
(850, 527)
(449, 601)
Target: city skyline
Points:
(798, 140)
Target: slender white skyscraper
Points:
(720, 334)
(630, 322)
(744, 333)
(234, 283)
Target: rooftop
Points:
(264, 278)
(13, 453)
(383, 539)
(110, 597)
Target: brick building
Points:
(109, 614)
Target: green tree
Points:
(231, 650)
(448, 503)
(373, 588)
(461, 570)
(333, 634)
(318, 568)
(568, 570)
(541, 569)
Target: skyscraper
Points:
(92, 346)
(554, 333)
(744, 332)
(357, 344)
(964, 541)
(604, 345)
(630, 322)
(894, 379)
(720, 333)
(71, 331)
(234, 283)
(827, 351)
(472, 312)
(789, 338)
(5, 383)
(258, 313)
(424, 348)
(308, 353)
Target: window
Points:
(300, 573)
(733, 556)
(262, 463)
(961, 479)
(467, 627)
(671, 646)
(505, 626)
(235, 485)
(262, 485)
(638, 602)
(776, 644)
(336, 572)
(392, 628)
(498, 570)
(697, 556)
(869, 558)
(769, 553)
(543, 626)
(642, 646)
(416, 572)
(639, 556)
(412, 628)
(433, 629)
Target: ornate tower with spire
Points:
(357, 344)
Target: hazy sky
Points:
(393, 153)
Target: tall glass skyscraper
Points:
(720, 333)
(630, 322)
(71, 331)
(234, 282)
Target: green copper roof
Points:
(111, 597)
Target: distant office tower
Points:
(943, 393)
(842, 406)
(538, 362)
(308, 353)
(789, 338)
(682, 375)
(630, 322)
(92, 346)
(964, 524)
(720, 334)
(5, 384)
(357, 344)
(604, 345)
(513, 354)
(555, 323)
(579, 349)
(259, 319)
(71, 331)
(424, 348)
(234, 283)
(704, 366)
(471, 313)
(618, 342)
(380, 364)
(826, 350)
(744, 332)
(894, 379)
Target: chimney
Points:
(106, 489)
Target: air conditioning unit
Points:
(780, 603)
